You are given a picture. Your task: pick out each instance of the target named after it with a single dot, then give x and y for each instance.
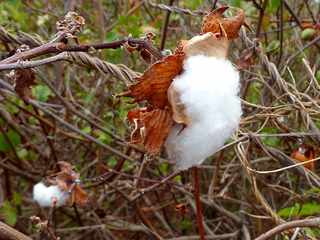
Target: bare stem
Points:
(198, 202)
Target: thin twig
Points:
(313, 222)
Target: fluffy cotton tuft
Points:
(208, 88)
(44, 195)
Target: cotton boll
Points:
(208, 88)
(44, 195)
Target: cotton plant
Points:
(61, 189)
(207, 91)
(192, 98)
(48, 196)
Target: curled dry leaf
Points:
(151, 127)
(24, 79)
(304, 153)
(229, 27)
(152, 86)
(68, 180)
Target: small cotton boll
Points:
(208, 88)
(45, 196)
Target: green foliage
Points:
(308, 33)
(41, 93)
(318, 76)
(273, 46)
(164, 168)
(112, 162)
(273, 5)
(12, 11)
(313, 232)
(22, 153)
(129, 25)
(254, 92)
(192, 4)
(86, 129)
(12, 136)
(186, 224)
(10, 107)
(270, 140)
(79, 86)
(235, 3)
(9, 213)
(298, 210)
(103, 137)
(17, 199)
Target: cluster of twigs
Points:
(133, 196)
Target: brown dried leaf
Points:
(152, 86)
(24, 79)
(229, 27)
(157, 126)
(304, 153)
(207, 44)
(152, 129)
(79, 196)
(178, 108)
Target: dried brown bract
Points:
(69, 180)
(229, 27)
(24, 79)
(152, 86)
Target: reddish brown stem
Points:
(196, 192)
(62, 47)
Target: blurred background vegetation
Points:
(280, 88)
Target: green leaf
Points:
(86, 129)
(308, 33)
(88, 98)
(112, 162)
(192, 4)
(164, 168)
(41, 93)
(22, 153)
(177, 179)
(318, 76)
(307, 209)
(235, 3)
(17, 199)
(9, 213)
(273, 46)
(186, 224)
(273, 6)
(254, 92)
(270, 141)
(14, 138)
(4, 146)
(103, 137)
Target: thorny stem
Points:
(196, 192)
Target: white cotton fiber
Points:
(44, 195)
(208, 88)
